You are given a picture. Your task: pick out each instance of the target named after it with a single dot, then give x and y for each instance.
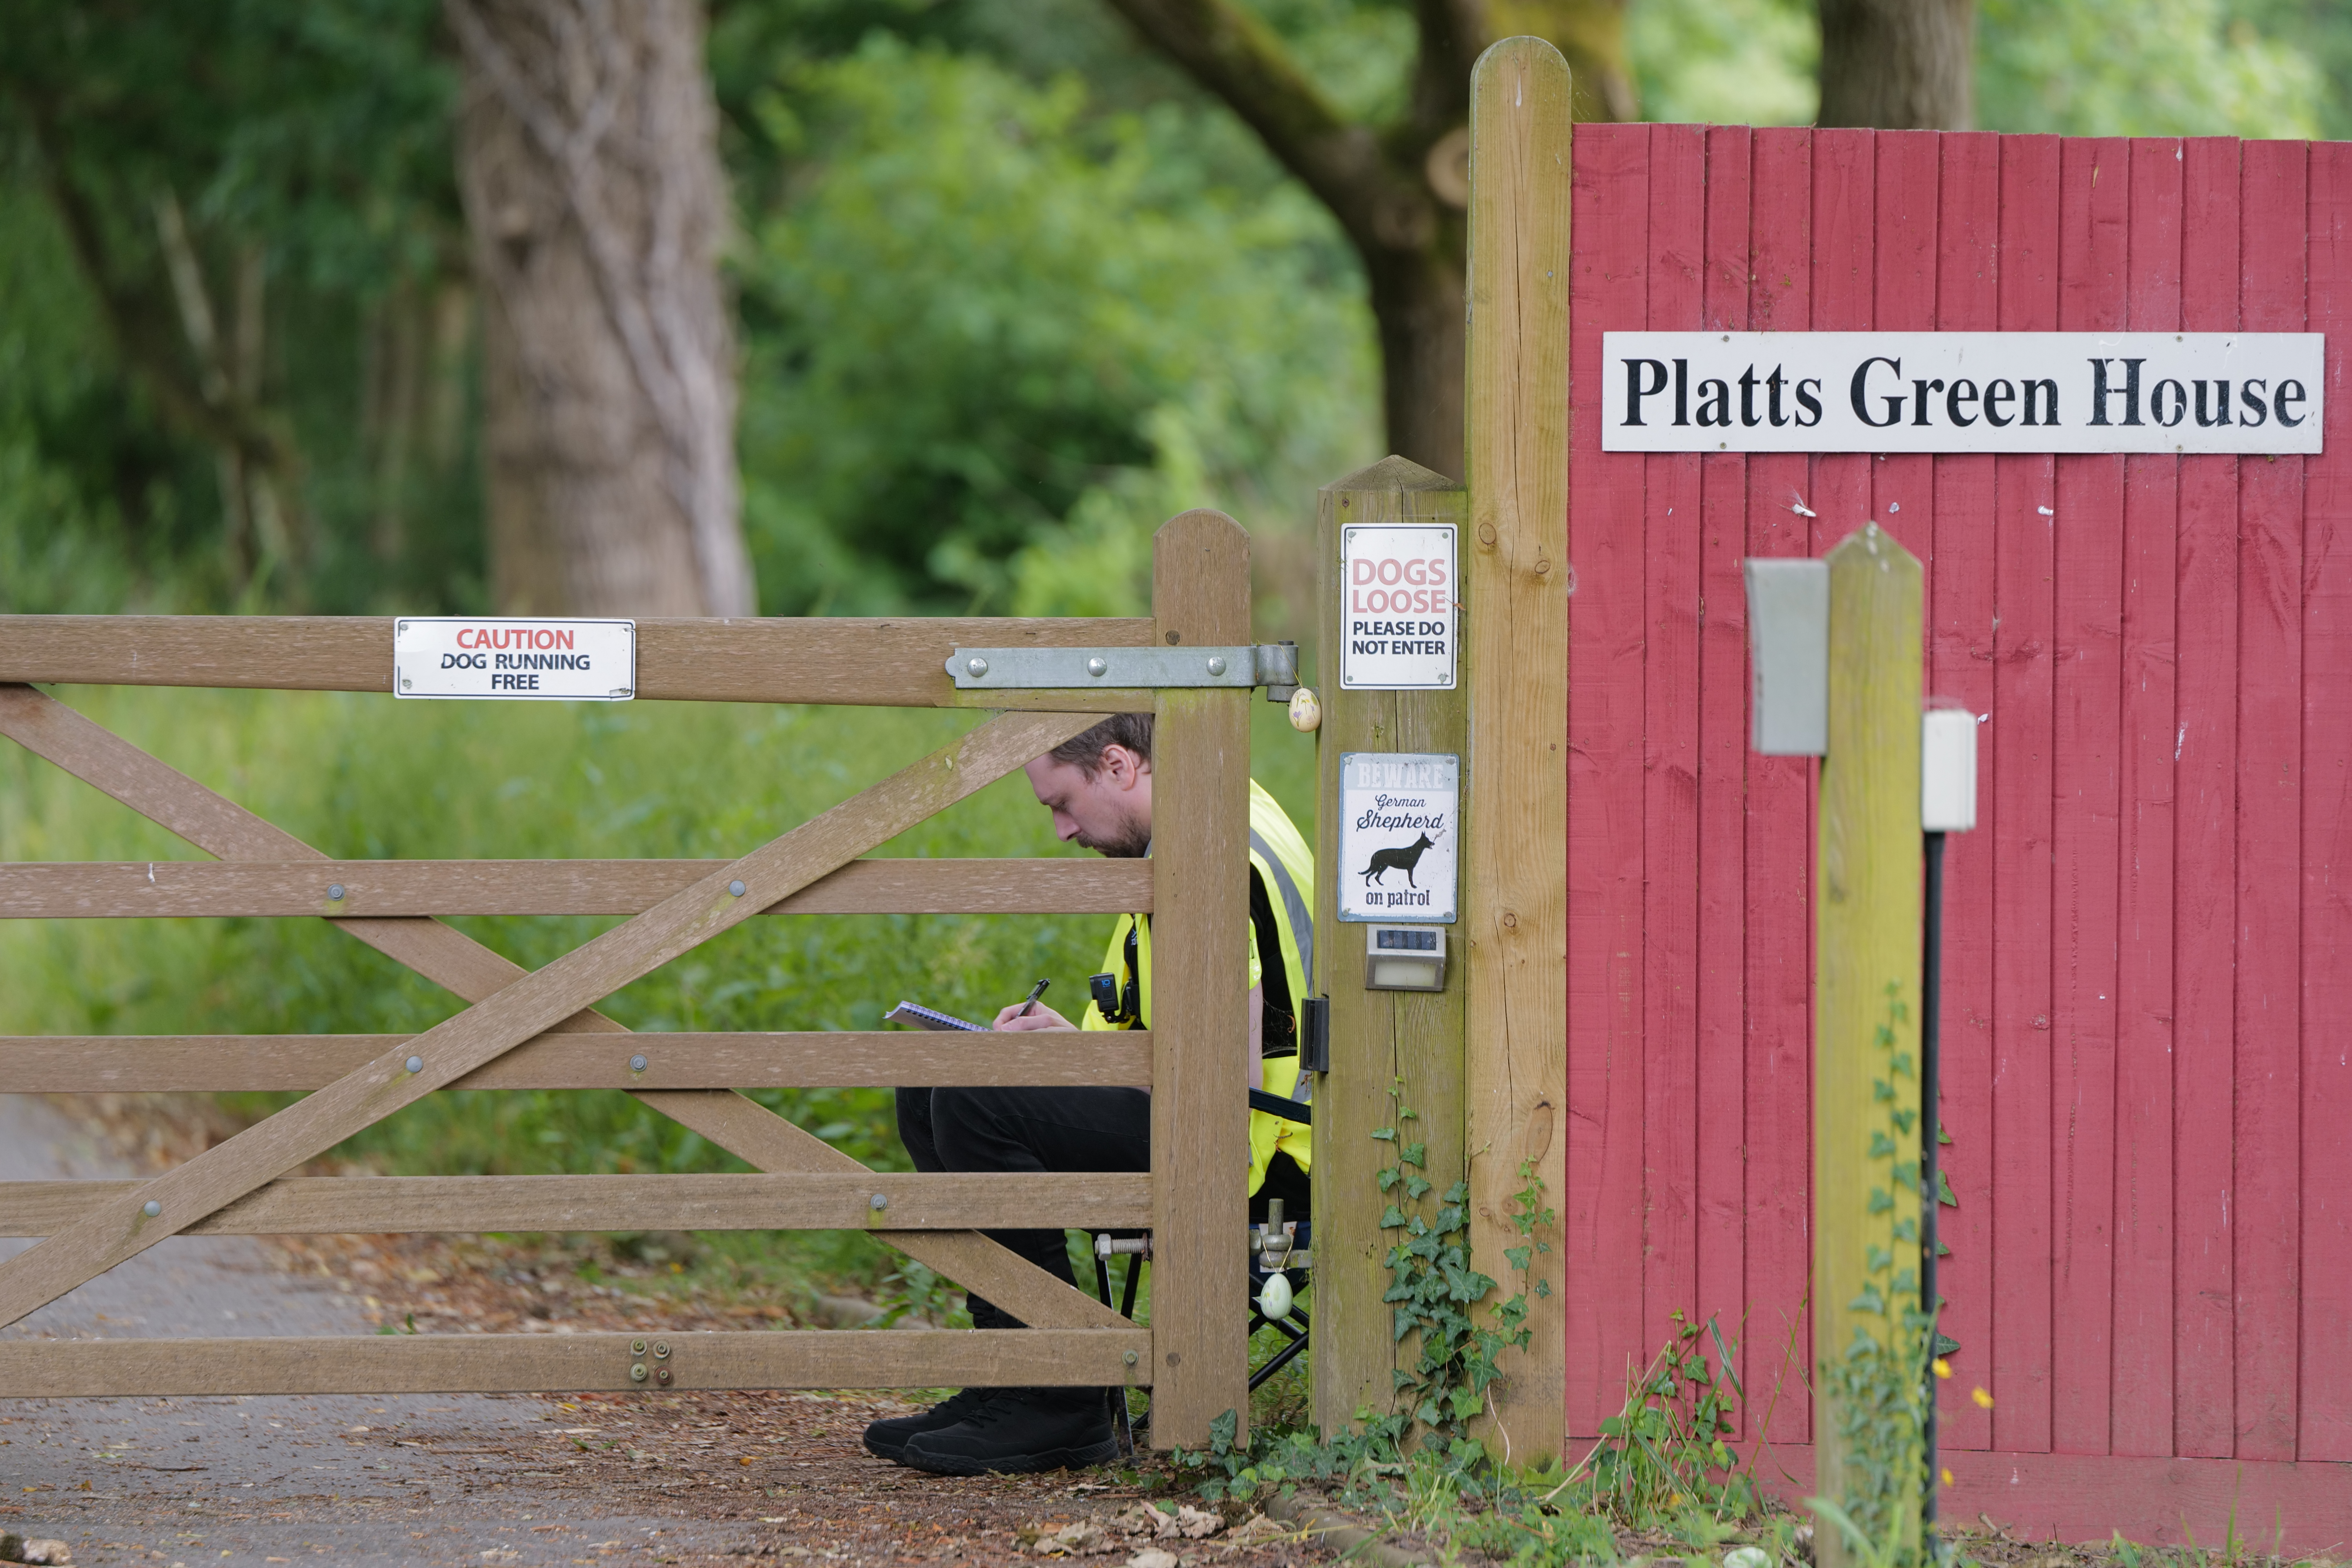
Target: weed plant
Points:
(365, 777)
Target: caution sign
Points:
(1398, 614)
(483, 656)
(1399, 834)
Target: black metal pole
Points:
(1931, 979)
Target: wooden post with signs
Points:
(1516, 583)
(1866, 1046)
(1389, 1048)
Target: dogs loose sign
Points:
(1398, 615)
(1400, 827)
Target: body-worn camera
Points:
(1115, 1009)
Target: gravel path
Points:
(405, 1480)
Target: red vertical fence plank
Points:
(1601, 1235)
(1960, 669)
(2095, 208)
(2021, 775)
(1777, 954)
(2326, 1385)
(2205, 890)
(1844, 221)
(1670, 765)
(1902, 291)
(1722, 804)
(2270, 838)
(2142, 1419)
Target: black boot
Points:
(888, 1439)
(1021, 1430)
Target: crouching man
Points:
(1098, 787)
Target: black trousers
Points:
(1056, 1130)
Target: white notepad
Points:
(923, 1017)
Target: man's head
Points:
(1098, 786)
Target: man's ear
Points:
(1124, 766)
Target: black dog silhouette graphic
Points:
(1387, 861)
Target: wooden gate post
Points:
(1200, 1020)
(1382, 1041)
(1866, 1045)
(1515, 583)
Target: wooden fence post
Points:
(1200, 1022)
(1865, 1158)
(1410, 1042)
(1516, 581)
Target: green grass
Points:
(364, 777)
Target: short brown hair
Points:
(1085, 749)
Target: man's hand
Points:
(1039, 1017)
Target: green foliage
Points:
(308, 149)
(1877, 1388)
(997, 337)
(2086, 68)
(1732, 62)
(2140, 68)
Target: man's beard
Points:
(1130, 841)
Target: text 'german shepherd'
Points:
(1404, 860)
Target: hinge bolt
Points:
(1098, 667)
(1216, 666)
(975, 667)
(636, 1064)
(879, 1201)
(335, 891)
(1128, 1358)
(735, 889)
(150, 1208)
(415, 1063)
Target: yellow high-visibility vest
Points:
(1284, 890)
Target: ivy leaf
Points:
(1385, 1134)
(1882, 1147)
(1942, 1136)
(1945, 1344)
(1944, 1191)
(1391, 1218)
(1879, 1202)
(1390, 1178)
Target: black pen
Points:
(1030, 1005)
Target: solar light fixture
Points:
(1405, 958)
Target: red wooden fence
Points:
(2147, 994)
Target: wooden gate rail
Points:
(844, 662)
(336, 1205)
(225, 1063)
(525, 1363)
(138, 888)
(540, 1029)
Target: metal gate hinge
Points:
(1274, 666)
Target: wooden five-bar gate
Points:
(540, 1029)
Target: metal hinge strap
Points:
(1271, 665)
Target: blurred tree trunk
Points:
(588, 162)
(1399, 190)
(1898, 65)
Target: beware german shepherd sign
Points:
(1400, 830)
